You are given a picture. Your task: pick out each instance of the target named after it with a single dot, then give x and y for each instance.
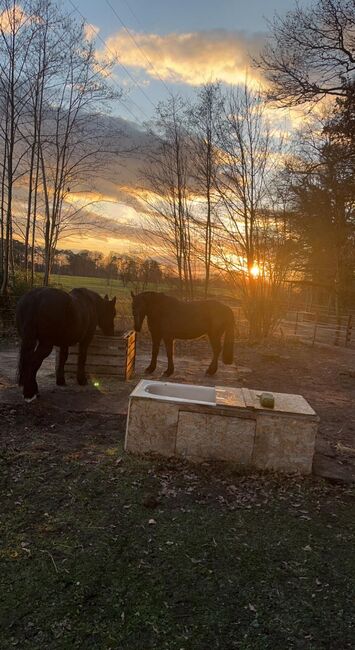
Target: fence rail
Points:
(315, 328)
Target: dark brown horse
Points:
(47, 317)
(169, 319)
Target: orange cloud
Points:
(192, 58)
(90, 31)
(12, 18)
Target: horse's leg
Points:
(215, 340)
(169, 345)
(83, 349)
(27, 349)
(63, 355)
(30, 388)
(155, 351)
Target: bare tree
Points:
(53, 97)
(44, 58)
(16, 34)
(72, 145)
(244, 169)
(204, 114)
(311, 53)
(251, 242)
(168, 178)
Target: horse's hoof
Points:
(30, 399)
(149, 371)
(61, 382)
(210, 373)
(168, 373)
(82, 381)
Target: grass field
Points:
(116, 287)
(104, 551)
(100, 285)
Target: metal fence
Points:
(307, 326)
(315, 327)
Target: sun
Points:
(255, 271)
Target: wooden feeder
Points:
(107, 356)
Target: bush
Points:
(20, 284)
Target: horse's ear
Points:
(132, 294)
(106, 297)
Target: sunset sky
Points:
(165, 46)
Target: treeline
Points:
(53, 95)
(136, 272)
(131, 271)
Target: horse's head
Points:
(138, 310)
(106, 315)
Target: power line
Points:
(115, 57)
(133, 14)
(140, 48)
(123, 101)
(136, 119)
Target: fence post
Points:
(348, 331)
(237, 319)
(315, 329)
(337, 331)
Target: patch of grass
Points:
(100, 550)
(100, 285)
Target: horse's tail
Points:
(21, 366)
(228, 344)
(26, 326)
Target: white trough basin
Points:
(221, 423)
(167, 391)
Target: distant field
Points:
(101, 285)
(116, 288)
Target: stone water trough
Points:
(202, 423)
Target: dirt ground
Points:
(324, 376)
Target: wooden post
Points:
(337, 331)
(348, 331)
(237, 327)
(315, 329)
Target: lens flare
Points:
(255, 271)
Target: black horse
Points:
(169, 319)
(47, 317)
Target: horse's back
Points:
(198, 309)
(187, 320)
(45, 313)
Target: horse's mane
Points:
(87, 293)
(157, 297)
